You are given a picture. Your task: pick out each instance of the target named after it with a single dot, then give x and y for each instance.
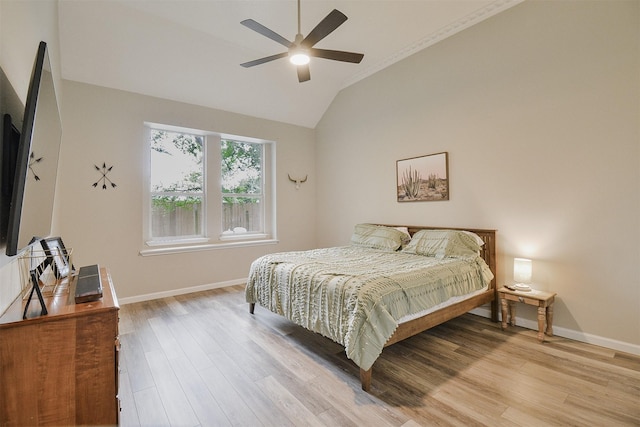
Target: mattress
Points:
(451, 301)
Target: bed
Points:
(390, 283)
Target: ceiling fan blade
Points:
(332, 21)
(303, 73)
(259, 28)
(337, 55)
(265, 59)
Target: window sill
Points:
(182, 242)
(207, 247)
(242, 236)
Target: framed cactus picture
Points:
(423, 179)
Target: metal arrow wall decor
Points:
(32, 161)
(104, 179)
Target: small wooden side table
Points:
(541, 299)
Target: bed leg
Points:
(252, 306)
(365, 379)
(495, 308)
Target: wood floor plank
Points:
(524, 418)
(134, 363)
(198, 330)
(481, 407)
(202, 358)
(203, 403)
(410, 423)
(249, 391)
(191, 348)
(175, 306)
(174, 401)
(256, 364)
(615, 412)
(288, 403)
(129, 415)
(231, 402)
(333, 417)
(125, 323)
(360, 407)
(313, 399)
(149, 408)
(297, 362)
(168, 343)
(511, 386)
(433, 412)
(140, 314)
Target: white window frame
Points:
(212, 204)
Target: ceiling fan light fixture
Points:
(299, 57)
(301, 49)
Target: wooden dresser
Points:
(61, 368)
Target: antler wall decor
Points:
(298, 181)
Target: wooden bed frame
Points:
(420, 324)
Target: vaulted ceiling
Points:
(190, 50)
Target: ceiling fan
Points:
(301, 49)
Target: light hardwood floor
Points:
(202, 359)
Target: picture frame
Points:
(58, 257)
(423, 178)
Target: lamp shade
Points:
(522, 270)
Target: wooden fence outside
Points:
(187, 221)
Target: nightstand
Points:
(542, 300)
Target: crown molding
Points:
(435, 37)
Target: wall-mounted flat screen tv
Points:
(31, 209)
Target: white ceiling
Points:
(190, 50)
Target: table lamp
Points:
(522, 273)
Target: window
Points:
(207, 188)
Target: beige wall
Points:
(105, 226)
(538, 108)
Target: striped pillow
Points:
(444, 243)
(377, 237)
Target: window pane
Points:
(241, 214)
(176, 216)
(241, 178)
(176, 161)
(241, 168)
(177, 182)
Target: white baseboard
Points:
(571, 334)
(181, 291)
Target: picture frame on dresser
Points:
(58, 257)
